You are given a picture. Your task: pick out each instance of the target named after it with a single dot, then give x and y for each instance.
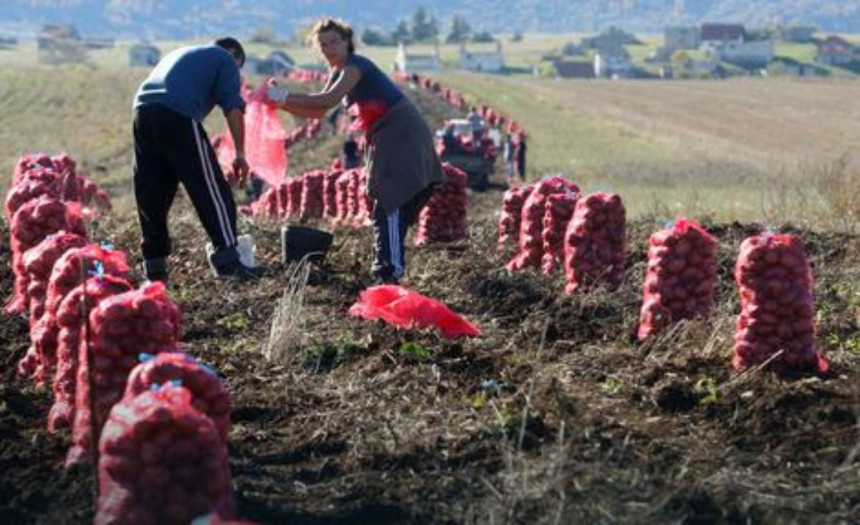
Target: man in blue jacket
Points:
(171, 147)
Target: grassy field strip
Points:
(85, 112)
(739, 149)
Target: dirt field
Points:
(556, 415)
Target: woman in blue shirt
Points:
(401, 162)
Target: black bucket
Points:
(298, 242)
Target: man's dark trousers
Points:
(170, 148)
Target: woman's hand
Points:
(276, 94)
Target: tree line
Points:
(423, 27)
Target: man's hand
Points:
(276, 94)
(241, 169)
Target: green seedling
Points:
(416, 352)
(707, 390)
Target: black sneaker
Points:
(156, 270)
(158, 277)
(239, 271)
(378, 280)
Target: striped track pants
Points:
(169, 149)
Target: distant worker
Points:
(477, 124)
(521, 156)
(509, 156)
(450, 143)
(171, 147)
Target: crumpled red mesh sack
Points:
(409, 310)
(161, 461)
(70, 322)
(531, 223)
(366, 113)
(774, 281)
(680, 278)
(32, 222)
(557, 214)
(264, 138)
(444, 218)
(145, 320)
(209, 395)
(65, 276)
(512, 208)
(595, 244)
(265, 142)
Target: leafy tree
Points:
(424, 27)
(373, 37)
(517, 37)
(401, 34)
(460, 30)
(483, 36)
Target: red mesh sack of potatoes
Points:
(39, 262)
(776, 322)
(161, 462)
(294, 196)
(209, 395)
(311, 202)
(531, 223)
(70, 270)
(444, 217)
(595, 243)
(330, 193)
(680, 278)
(31, 162)
(365, 203)
(364, 210)
(355, 194)
(512, 209)
(266, 207)
(70, 322)
(282, 201)
(42, 183)
(32, 222)
(342, 197)
(74, 187)
(558, 212)
(123, 326)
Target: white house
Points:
(143, 55)
(483, 61)
(835, 50)
(609, 65)
(756, 53)
(412, 63)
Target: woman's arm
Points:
(318, 103)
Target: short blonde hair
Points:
(331, 24)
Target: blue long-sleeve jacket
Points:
(192, 81)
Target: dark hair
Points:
(234, 47)
(332, 24)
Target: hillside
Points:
(179, 19)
